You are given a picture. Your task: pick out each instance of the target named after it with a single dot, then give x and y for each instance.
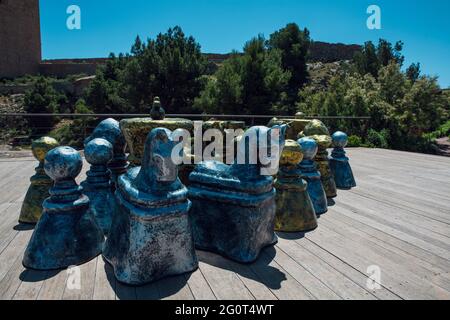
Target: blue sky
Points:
(223, 25)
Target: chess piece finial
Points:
(317, 130)
(295, 210)
(151, 236)
(157, 112)
(339, 162)
(309, 173)
(97, 186)
(109, 130)
(40, 183)
(299, 115)
(67, 234)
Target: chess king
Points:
(40, 183)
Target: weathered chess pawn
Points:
(157, 112)
(319, 132)
(40, 183)
(151, 236)
(97, 186)
(109, 130)
(310, 174)
(67, 234)
(233, 206)
(339, 162)
(295, 211)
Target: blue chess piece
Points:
(310, 173)
(109, 130)
(67, 234)
(151, 236)
(97, 186)
(233, 206)
(339, 162)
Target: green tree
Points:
(294, 44)
(252, 83)
(413, 72)
(42, 98)
(171, 67)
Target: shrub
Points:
(377, 139)
(354, 141)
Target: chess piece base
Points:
(64, 239)
(343, 174)
(142, 249)
(295, 211)
(317, 195)
(31, 210)
(235, 226)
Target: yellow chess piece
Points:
(40, 183)
(295, 210)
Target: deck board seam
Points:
(391, 244)
(354, 268)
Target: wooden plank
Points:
(427, 208)
(344, 287)
(88, 276)
(225, 284)
(105, 281)
(11, 281)
(251, 280)
(314, 285)
(53, 287)
(346, 269)
(434, 262)
(199, 286)
(395, 277)
(9, 255)
(392, 230)
(280, 282)
(174, 288)
(406, 261)
(394, 215)
(31, 285)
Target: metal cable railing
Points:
(25, 127)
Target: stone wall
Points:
(62, 70)
(20, 38)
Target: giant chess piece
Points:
(151, 236)
(157, 112)
(233, 206)
(97, 186)
(109, 130)
(295, 211)
(339, 162)
(67, 234)
(40, 183)
(319, 132)
(310, 174)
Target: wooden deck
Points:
(398, 219)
